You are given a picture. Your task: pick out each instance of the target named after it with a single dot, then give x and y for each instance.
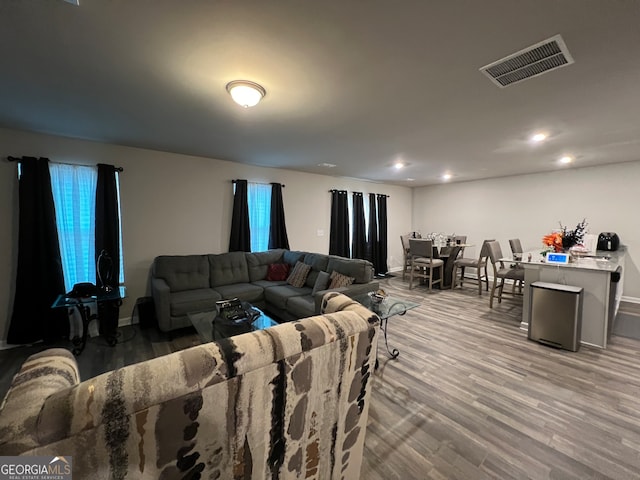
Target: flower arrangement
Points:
(564, 239)
(553, 241)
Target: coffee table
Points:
(211, 331)
(386, 309)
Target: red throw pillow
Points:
(278, 271)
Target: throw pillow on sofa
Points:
(339, 280)
(322, 282)
(278, 271)
(298, 275)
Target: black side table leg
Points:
(394, 352)
(80, 343)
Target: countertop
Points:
(603, 261)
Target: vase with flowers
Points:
(564, 239)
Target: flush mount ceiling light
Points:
(566, 159)
(398, 165)
(539, 137)
(446, 176)
(245, 93)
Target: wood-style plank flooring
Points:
(469, 397)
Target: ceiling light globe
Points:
(245, 93)
(539, 137)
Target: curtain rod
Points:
(260, 183)
(379, 194)
(16, 159)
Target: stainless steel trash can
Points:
(556, 315)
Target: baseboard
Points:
(5, 346)
(629, 299)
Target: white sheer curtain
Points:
(74, 196)
(259, 200)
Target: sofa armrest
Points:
(350, 291)
(40, 376)
(162, 300)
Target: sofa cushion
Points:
(278, 296)
(291, 257)
(298, 275)
(278, 271)
(258, 262)
(360, 270)
(268, 283)
(301, 306)
(339, 280)
(244, 291)
(322, 282)
(318, 263)
(182, 272)
(228, 268)
(192, 301)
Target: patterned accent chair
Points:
(287, 402)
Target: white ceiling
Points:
(357, 83)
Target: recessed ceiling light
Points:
(539, 137)
(411, 179)
(566, 159)
(447, 176)
(326, 165)
(398, 165)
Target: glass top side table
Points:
(386, 309)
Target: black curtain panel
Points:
(381, 259)
(359, 240)
(372, 240)
(107, 228)
(240, 238)
(39, 275)
(339, 234)
(277, 227)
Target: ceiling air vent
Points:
(535, 60)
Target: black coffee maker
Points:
(608, 241)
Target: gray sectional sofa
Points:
(193, 283)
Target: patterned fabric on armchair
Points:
(287, 402)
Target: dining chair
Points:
(480, 264)
(406, 268)
(460, 240)
(502, 273)
(516, 249)
(516, 246)
(423, 262)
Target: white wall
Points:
(179, 204)
(530, 206)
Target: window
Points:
(259, 200)
(74, 196)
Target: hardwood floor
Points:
(469, 397)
